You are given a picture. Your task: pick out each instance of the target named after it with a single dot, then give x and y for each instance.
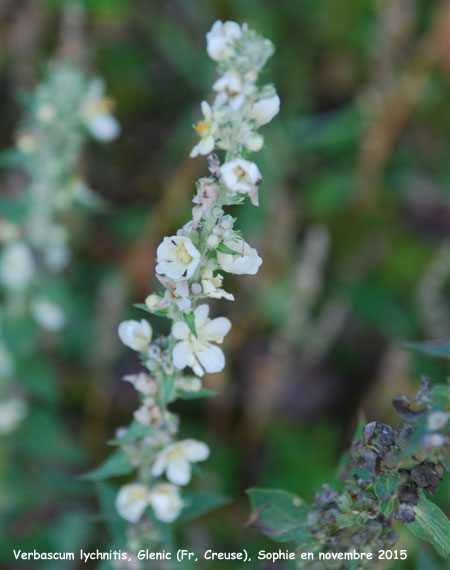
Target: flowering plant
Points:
(387, 477)
(190, 267)
(65, 110)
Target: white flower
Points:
(12, 413)
(47, 314)
(132, 500)
(27, 143)
(206, 129)
(246, 260)
(220, 39)
(136, 335)
(96, 112)
(16, 265)
(264, 111)
(166, 502)
(46, 113)
(229, 91)
(175, 460)
(149, 414)
(240, 175)
(8, 231)
(254, 143)
(230, 82)
(177, 256)
(188, 384)
(438, 420)
(143, 383)
(212, 286)
(198, 352)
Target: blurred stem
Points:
(396, 107)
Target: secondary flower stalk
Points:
(65, 110)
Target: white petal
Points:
(211, 357)
(166, 250)
(166, 502)
(265, 110)
(191, 249)
(178, 471)
(216, 329)
(159, 465)
(180, 330)
(132, 501)
(182, 355)
(104, 127)
(201, 315)
(195, 450)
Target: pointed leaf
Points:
(116, 464)
(432, 525)
(278, 514)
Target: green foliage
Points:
(278, 514)
(116, 464)
(390, 471)
(432, 525)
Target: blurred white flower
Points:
(96, 112)
(198, 352)
(188, 384)
(175, 460)
(149, 414)
(12, 412)
(132, 500)
(264, 111)
(16, 265)
(246, 261)
(177, 256)
(241, 176)
(136, 335)
(254, 142)
(47, 314)
(46, 113)
(27, 143)
(8, 231)
(438, 420)
(220, 39)
(166, 502)
(143, 383)
(206, 129)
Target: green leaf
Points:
(189, 319)
(432, 525)
(386, 507)
(143, 307)
(386, 485)
(433, 348)
(278, 514)
(134, 431)
(116, 464)
(203, 393)
(197, 504)
(222, 248)
(106, 496)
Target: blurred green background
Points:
(353, 226)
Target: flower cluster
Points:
(190, 266)
(64, 111)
